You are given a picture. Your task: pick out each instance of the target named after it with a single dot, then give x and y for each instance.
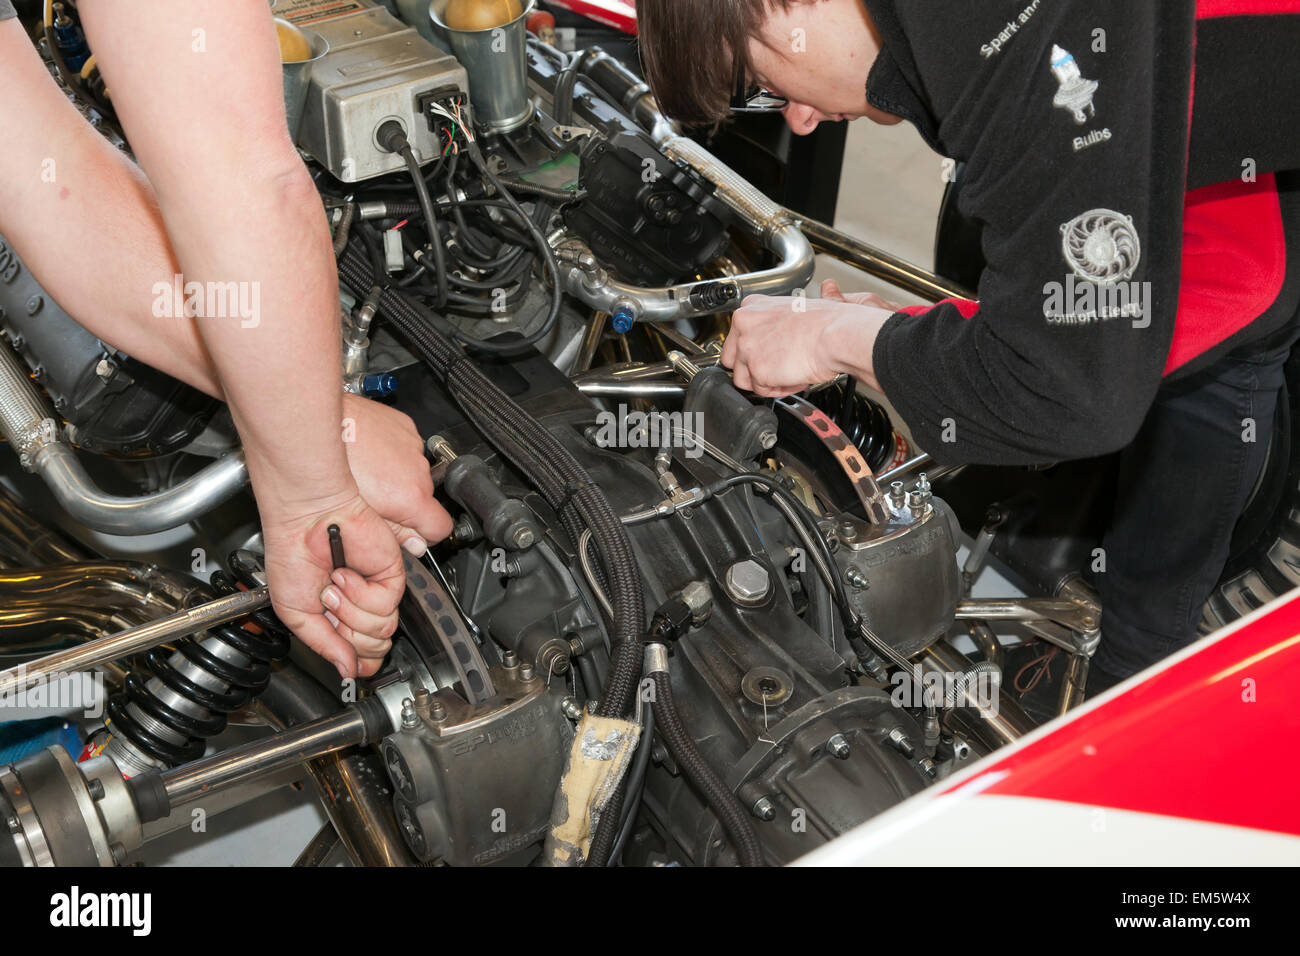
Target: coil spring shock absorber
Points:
(164, 720)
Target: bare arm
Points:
(197, 87)
(86, 220)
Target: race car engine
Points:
(674, 624)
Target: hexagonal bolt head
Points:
(764, 809)
(767, 439)
(838, 747)
(463, 531)
(748, 582)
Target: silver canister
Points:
(421, 15)
(297, 79)
(497, 64)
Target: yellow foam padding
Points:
(602, 750)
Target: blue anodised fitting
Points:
(379, 386)
(71, 42)
(623, 320)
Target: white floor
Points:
(889, 197)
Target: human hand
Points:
(831, 290)
(386, 456)
(779, 346)
(348, 615)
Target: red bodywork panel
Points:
(619, 14)
(1206, 737)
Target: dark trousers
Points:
(1182, 486)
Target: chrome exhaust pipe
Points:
(772, 224)
(34, 433)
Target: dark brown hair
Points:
(693, 50)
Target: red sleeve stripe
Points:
(1207, 9)
(967, 307)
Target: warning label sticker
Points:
(303, 12)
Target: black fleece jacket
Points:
(1072, 117)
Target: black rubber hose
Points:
(457, 212)
(506, 276)
(590, 679)
(565, 86)
(733, 817)
(543, 247)
(374, 252)
(635, 786)
(430, 223)
(850, 617)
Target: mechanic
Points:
(1137, 294)
(221, 196)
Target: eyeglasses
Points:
(751, 98)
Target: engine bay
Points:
(675, 624)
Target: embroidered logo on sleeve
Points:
(1101, 246)
(1102, 249)
(1076, 93)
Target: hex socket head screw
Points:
(764, 809)
(838, 747)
